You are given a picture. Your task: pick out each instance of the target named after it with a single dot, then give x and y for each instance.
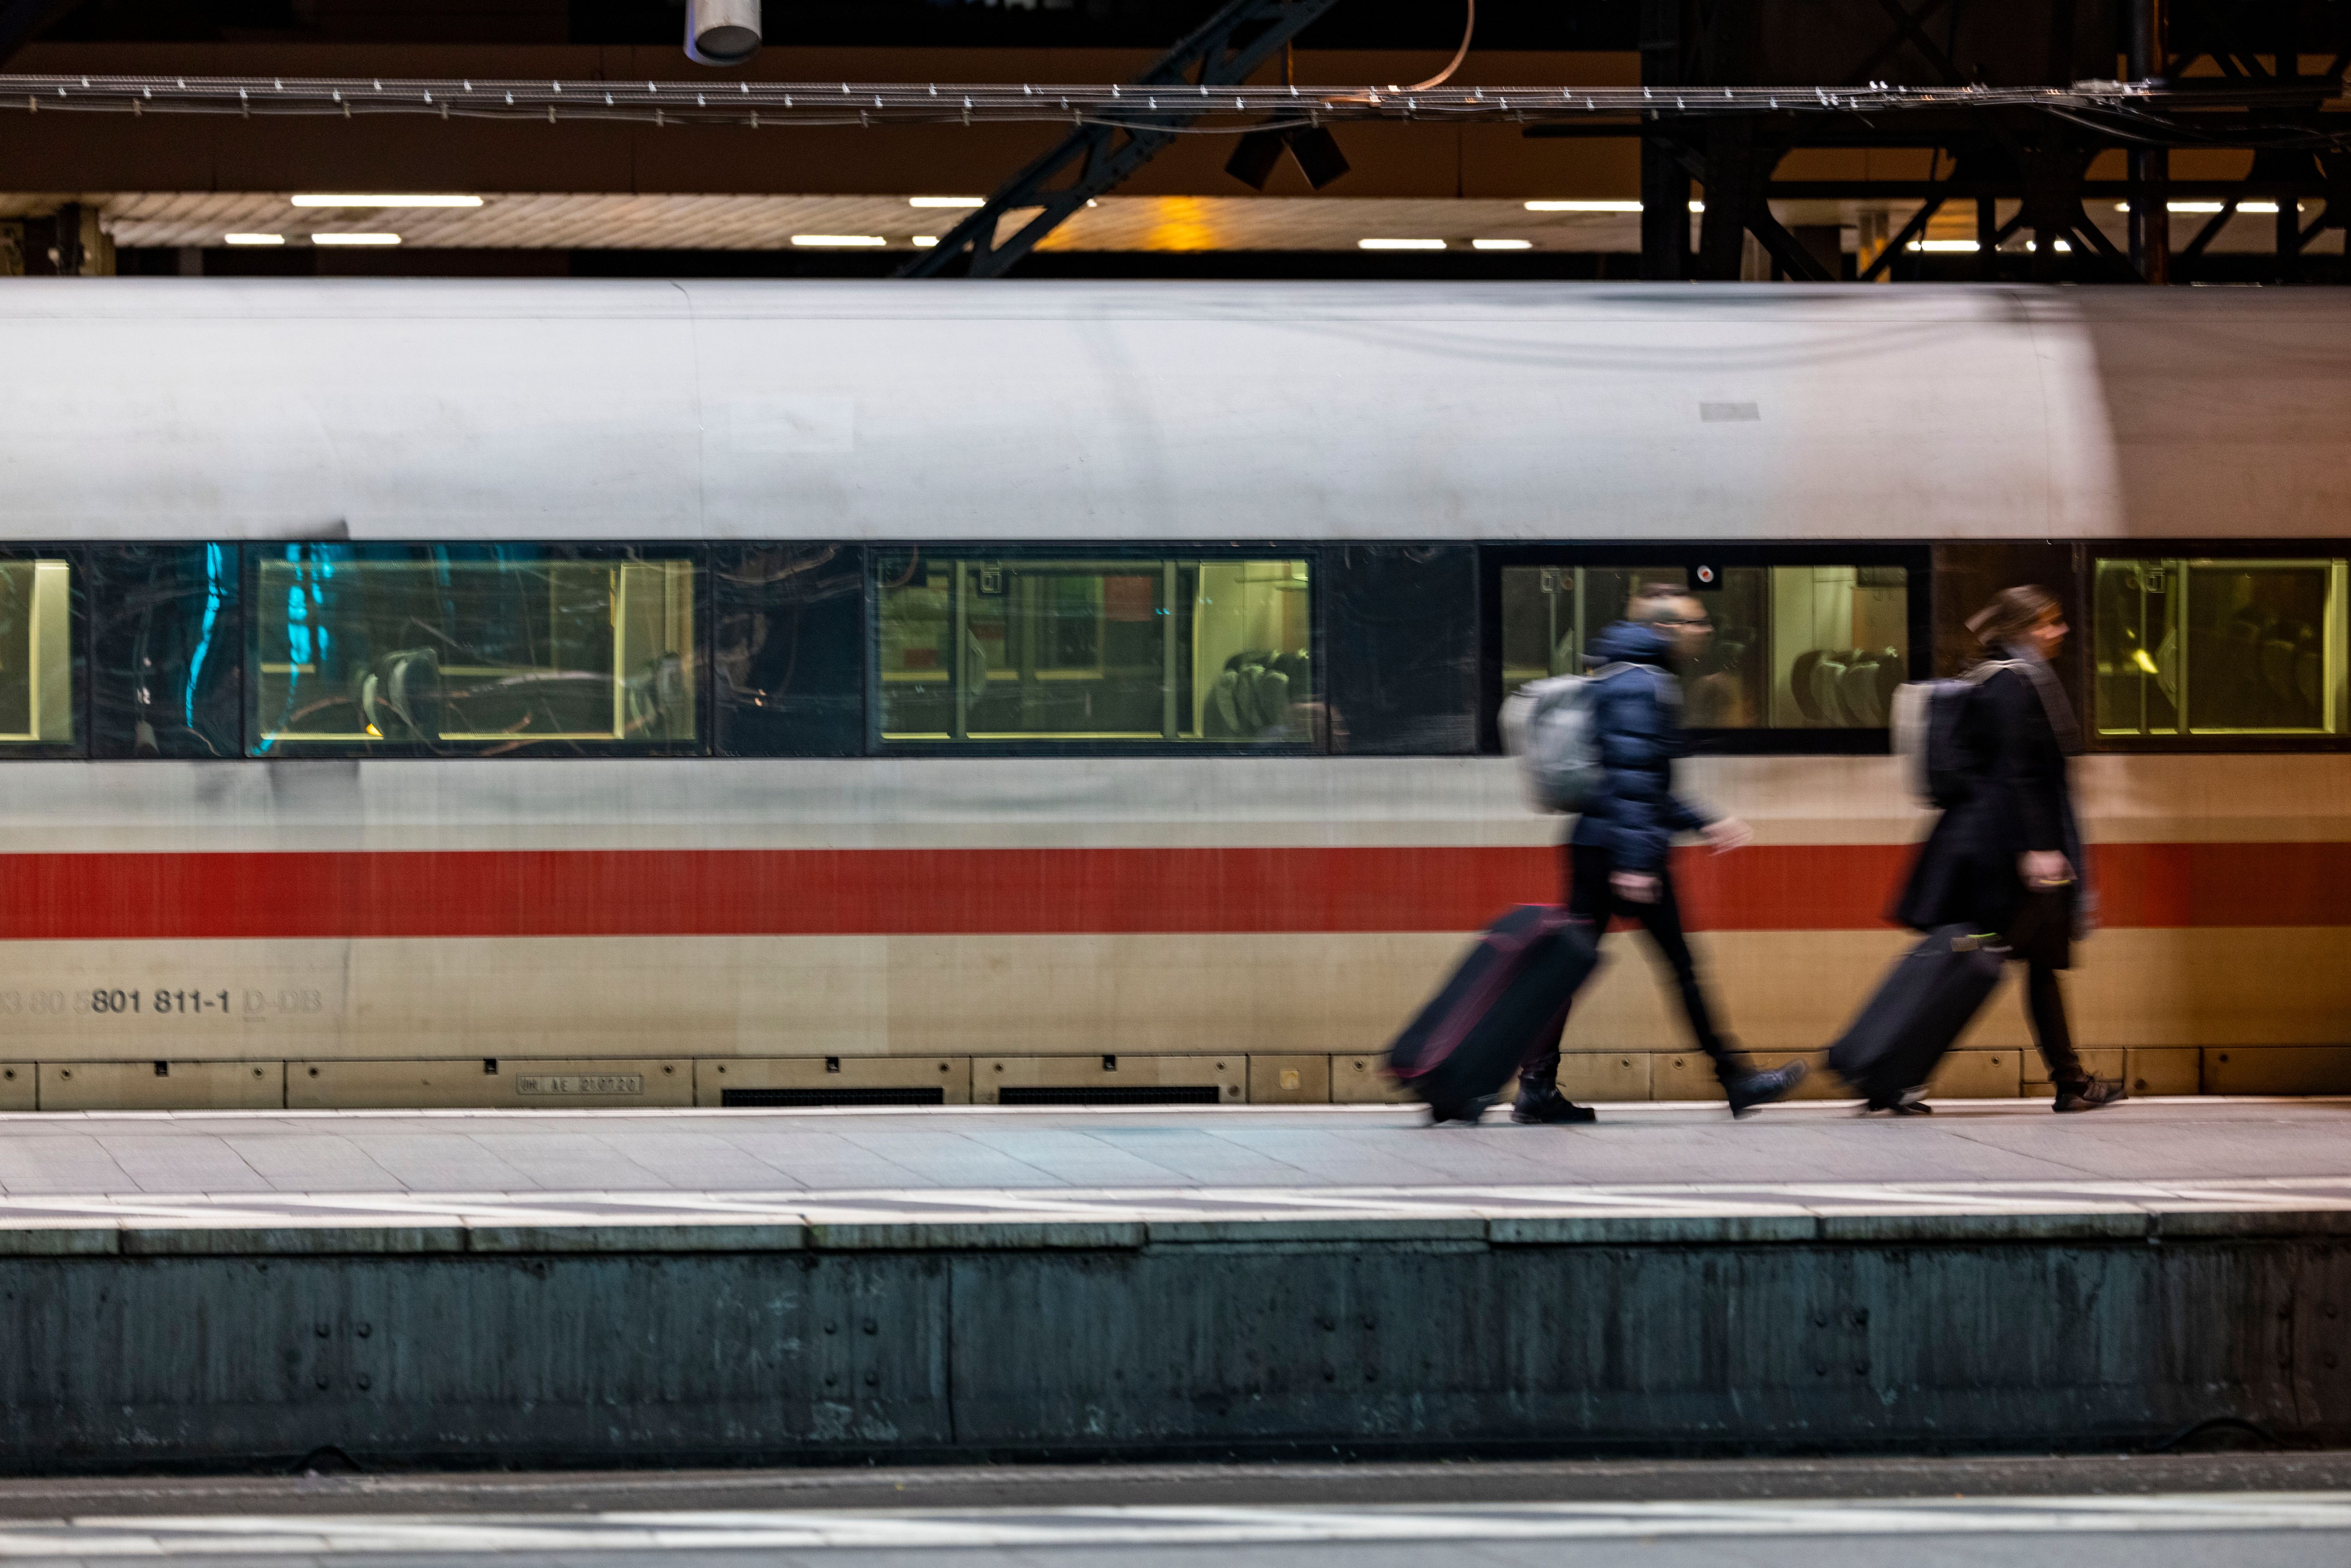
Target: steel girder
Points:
(1225, 50)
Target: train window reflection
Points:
(988, 649)
(36, 699)
(481, 649)
(2187, 647)
(1791, 647)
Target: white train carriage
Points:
(639, 693)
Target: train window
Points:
(1791, 647)
(1401, 648)
(2220, 647)
(164, 646)
(1008, 649)
(473, 649)
(37, 657)
(787, 649)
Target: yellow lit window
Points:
(2190, 647)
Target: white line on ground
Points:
(919, 1206)
(1166, 1526)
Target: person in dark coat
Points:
(2008, 858)
(1617, 857)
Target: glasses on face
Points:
(1701, 623)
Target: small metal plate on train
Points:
(580, 1083)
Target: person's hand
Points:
(2043, 869)
(1727, 833)
(1633, 886)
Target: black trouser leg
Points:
(1663, 921)
(1593, 900)
(2044, 1003)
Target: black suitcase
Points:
(1508, 996)
(1903, 1031)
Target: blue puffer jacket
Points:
(1635, 813)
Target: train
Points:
(425, 694)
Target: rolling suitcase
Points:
(1921, 1008)
(1507, 996)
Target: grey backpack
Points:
(1551, 727)
(1930, 744)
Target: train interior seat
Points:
(1253, 693)
(2280, 653)
(399, 696)
(2230, 693)
(1828, 676)
(1718, 698)
(1857, 692)
(1271, 689)
(1800, 686)
(1226, 714)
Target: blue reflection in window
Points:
(307, 642)
(215, 595)
(298, 632)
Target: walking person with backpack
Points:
(2005, 858)
(1617, 855)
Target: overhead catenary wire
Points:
(2121, 108)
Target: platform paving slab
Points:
(837, 1167)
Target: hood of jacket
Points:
(1628, 643)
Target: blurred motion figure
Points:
(2008, 858)
(1617, 855)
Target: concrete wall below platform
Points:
(783, 1342)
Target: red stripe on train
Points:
(562, 893)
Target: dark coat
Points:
(1634, 814)
(1967, 870)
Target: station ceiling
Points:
(670, 221)
(160, 184)
(674, 221)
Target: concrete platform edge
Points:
(1975, 1228)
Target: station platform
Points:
(152, 1171)
(826, 1286)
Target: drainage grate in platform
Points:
(1114, 1094)
(931, 1095)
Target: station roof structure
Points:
(1419, 194)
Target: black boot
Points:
(1762, 1087)
(1548, 1106)
(1465, 1112)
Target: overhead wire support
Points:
(1223, 52)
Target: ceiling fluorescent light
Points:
(2210, 206)
(925, 242)
(839, 242)
(1501, 244)
(387, 200)
(253, 239)
(950, 202)
(1583, 206)
(354, 239)
(1400, 245)
(1940, 245)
